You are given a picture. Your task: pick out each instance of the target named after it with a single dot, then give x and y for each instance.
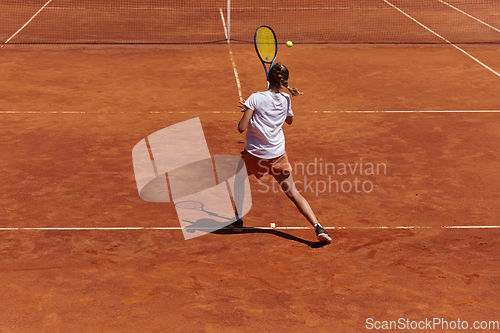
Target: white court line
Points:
(472, 17)
(465, 227)
(237, 77)
(446, 40)
(31, 19)
(238, 112)
(415, 111)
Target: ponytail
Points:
(294, 91)
(278, 75)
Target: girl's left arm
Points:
(245, 119)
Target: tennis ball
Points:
(289, 43)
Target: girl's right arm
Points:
(245, 119)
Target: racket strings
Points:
(266, 44)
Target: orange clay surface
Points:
(70, 116)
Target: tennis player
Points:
(265, 113)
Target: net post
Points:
(228, 20)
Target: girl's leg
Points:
(288, 186)
(239, 189)
(239, 197)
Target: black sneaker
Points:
(237, 226)
(322, 235)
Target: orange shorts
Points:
(260, 166)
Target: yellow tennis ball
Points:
(289, 43)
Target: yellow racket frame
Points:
(266, 45)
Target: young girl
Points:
(265, 113)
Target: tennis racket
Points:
(266, 46)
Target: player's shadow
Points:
(247, 230)
(204, 225)
(209, 225)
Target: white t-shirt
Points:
(265, 137)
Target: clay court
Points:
(416, 240)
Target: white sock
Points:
(316, 226)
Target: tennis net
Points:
(211, 21)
